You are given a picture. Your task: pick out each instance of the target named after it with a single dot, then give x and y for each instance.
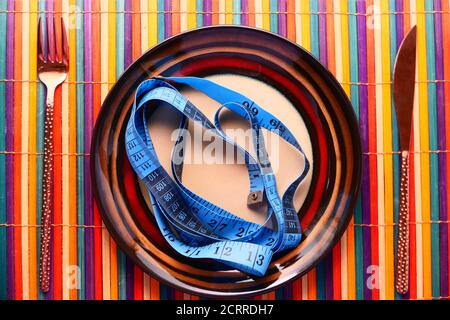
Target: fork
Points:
(53, 66)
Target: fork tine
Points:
(58, 39)
(64, 43)
(41, 53)
(51, 55)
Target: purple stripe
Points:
(128, 60)
(282, 29)
(244, 10)
(88, 215)
(129, 279)
(323, 46)
(363, 126)
(399, 21)
(128, 57)
(10, 147)
(207, 17)
(167, 18)
(443, 231)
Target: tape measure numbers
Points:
(193, 226)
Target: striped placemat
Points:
(356, 39)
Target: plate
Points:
(332, 132)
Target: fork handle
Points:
(402, 261)
(47, 207)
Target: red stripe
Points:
(96, 97)
(373, 149)
(138, 283)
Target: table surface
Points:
(356, 40)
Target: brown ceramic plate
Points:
(333, 136)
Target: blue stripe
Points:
(354, 97)
(80, 146)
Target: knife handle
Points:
(402, 258)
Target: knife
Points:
(403, 86)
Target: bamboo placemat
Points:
(356, 39)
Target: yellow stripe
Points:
(380, 163)
(306, 25)
(266, 15)
(112, 79)
(104, 32)
(65, 188)
(424, 145)
(388, 174)
(24, 143)
(152, 21)
(32, 148)
(192, 23)
(144, 26)
(417, 175)
(228, 11)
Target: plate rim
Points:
(355, 187)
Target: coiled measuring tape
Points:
(193, 226)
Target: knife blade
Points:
(403, 87)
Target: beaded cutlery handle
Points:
(53, 66)
(402, 261)
(46, 219)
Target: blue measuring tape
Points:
(193, 226)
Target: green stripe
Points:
(354, 97)
(394, 137)
(199, 16)
(160, 20)
(236, 10)
(120, 51)
(80, 147)
(273, 7)
(314, 25)
(3, 275)
(432, 124)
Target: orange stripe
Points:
(154, 289)
(215, 10)
(312, 292)
(330, 38)
(114, 279)
(290, 20)
(175, 17)
(251, 14)
(136, 30)
(72, 160)
(57, 180)
(17, 146)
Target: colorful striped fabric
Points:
(356, 39)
